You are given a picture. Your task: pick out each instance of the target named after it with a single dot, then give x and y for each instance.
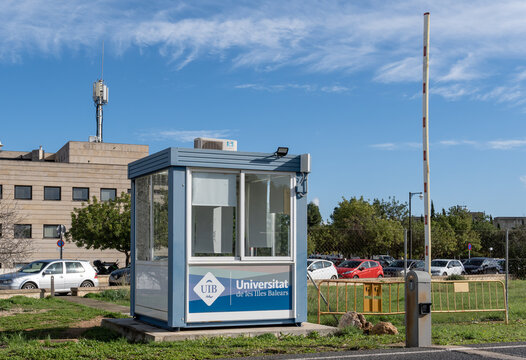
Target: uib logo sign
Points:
(209, 289)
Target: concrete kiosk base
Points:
(135, 330)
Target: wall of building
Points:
(100, 166)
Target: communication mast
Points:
(100, 97)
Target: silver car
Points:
(37, 275)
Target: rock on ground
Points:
(352, 318)
(384, 328)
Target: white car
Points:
(321, 269)
(37, 275)
(446, 267)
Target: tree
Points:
(13, 248)
(103, 225)
(391, 209)
(361, 230)
(313, 215)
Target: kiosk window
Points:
(142, 218)
(160, 216)
(214, 205)
(267, 215)
(151, 217)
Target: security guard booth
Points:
(219, 238)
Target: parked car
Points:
(446, 267)
(482, 265)
(383, 259)
(360, 268)
(120, 277)
(396, 268)
(37, 275)
(502, 265)
(321, 269)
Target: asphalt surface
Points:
(502, 351)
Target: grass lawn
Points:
(117, 296)
(35, 329)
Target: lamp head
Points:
(281, 151)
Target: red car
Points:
(360, 268)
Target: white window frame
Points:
(240, 257)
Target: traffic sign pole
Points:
(61, 230)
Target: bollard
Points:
(418, 309)
(52, 286)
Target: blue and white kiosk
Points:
(219, 238)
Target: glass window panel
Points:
(80, 194)
(214, 205)
(74, 268)
(142, 218)
(55, 268)
(22, 231)
(0, 191)
(107, 194)
(23, 192)
(267, 215)
(160, 216)
(51, 193)
(51, 231)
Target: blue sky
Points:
(340, 80)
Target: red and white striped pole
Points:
(425, 102)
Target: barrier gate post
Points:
(418, 309)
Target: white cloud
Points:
(506, 144)
(452, 92)
(523, 179)
(510, 94)
(408, 69)
(396, 146)
(304, 87)
(316, 201)
(186, 135)
(457, 142)
(386, 146)
(463, 69)
(467, 42)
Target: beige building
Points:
(46, 187)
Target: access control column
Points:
(418, 309)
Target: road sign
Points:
(469, 246)
(60, 243)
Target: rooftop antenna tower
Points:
(100, 97)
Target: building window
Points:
(52, 193)
(51, 232)
(22, 231)
(0, 191)
(214, 205)
(23, 192)
(267, 215)
(151, 217)
(107, 194)
(80, 194)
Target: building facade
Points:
(509, 222)
(46, 187)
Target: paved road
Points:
(502, 351)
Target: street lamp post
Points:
(410, 221)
